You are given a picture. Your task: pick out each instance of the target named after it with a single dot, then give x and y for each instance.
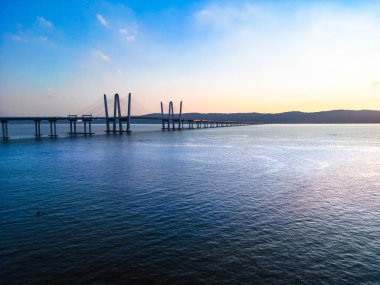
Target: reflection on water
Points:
(270, 204)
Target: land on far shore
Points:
(295, 117)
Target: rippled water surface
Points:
(268, 204)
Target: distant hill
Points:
(325, 117)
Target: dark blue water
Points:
(280, 204)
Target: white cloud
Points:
(45, 23)
(129, 35)
(100, 55)
(316, 45)
(227, 16)
(43, 39)
(102, 20)
(18, 38)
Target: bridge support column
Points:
(4, 127)
(37, 127)
(87, 119)
(171, 124)
(180, 116)
(117, 115)
(162, 117)
(73, 124)
(53, 128)
(129, 114)
(106, 114)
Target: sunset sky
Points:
(57, 57)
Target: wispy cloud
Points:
(43, 39)
(376, 84)
(102, 20)
(18, 38)
(227, 16)
(101, 55)
(127, 34)
(45, 23)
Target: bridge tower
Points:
(171, 120)
(180, 124)
(117, 119)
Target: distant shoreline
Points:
(295, 117)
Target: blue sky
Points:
(57, 57)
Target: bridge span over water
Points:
(117, 123)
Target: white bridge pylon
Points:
(171, 120)
(117, 119)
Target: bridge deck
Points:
(123, 118)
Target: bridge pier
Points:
(129, 114)
(37, 127)
(73, 124)
(4, 127)
(53, 128)
(87, 120)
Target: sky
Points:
(60, 57)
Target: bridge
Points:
(116, 124)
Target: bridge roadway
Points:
(168, 123)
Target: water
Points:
(24, 131)
(267, 204)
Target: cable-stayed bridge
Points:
(115, 122)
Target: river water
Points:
(265, 204)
